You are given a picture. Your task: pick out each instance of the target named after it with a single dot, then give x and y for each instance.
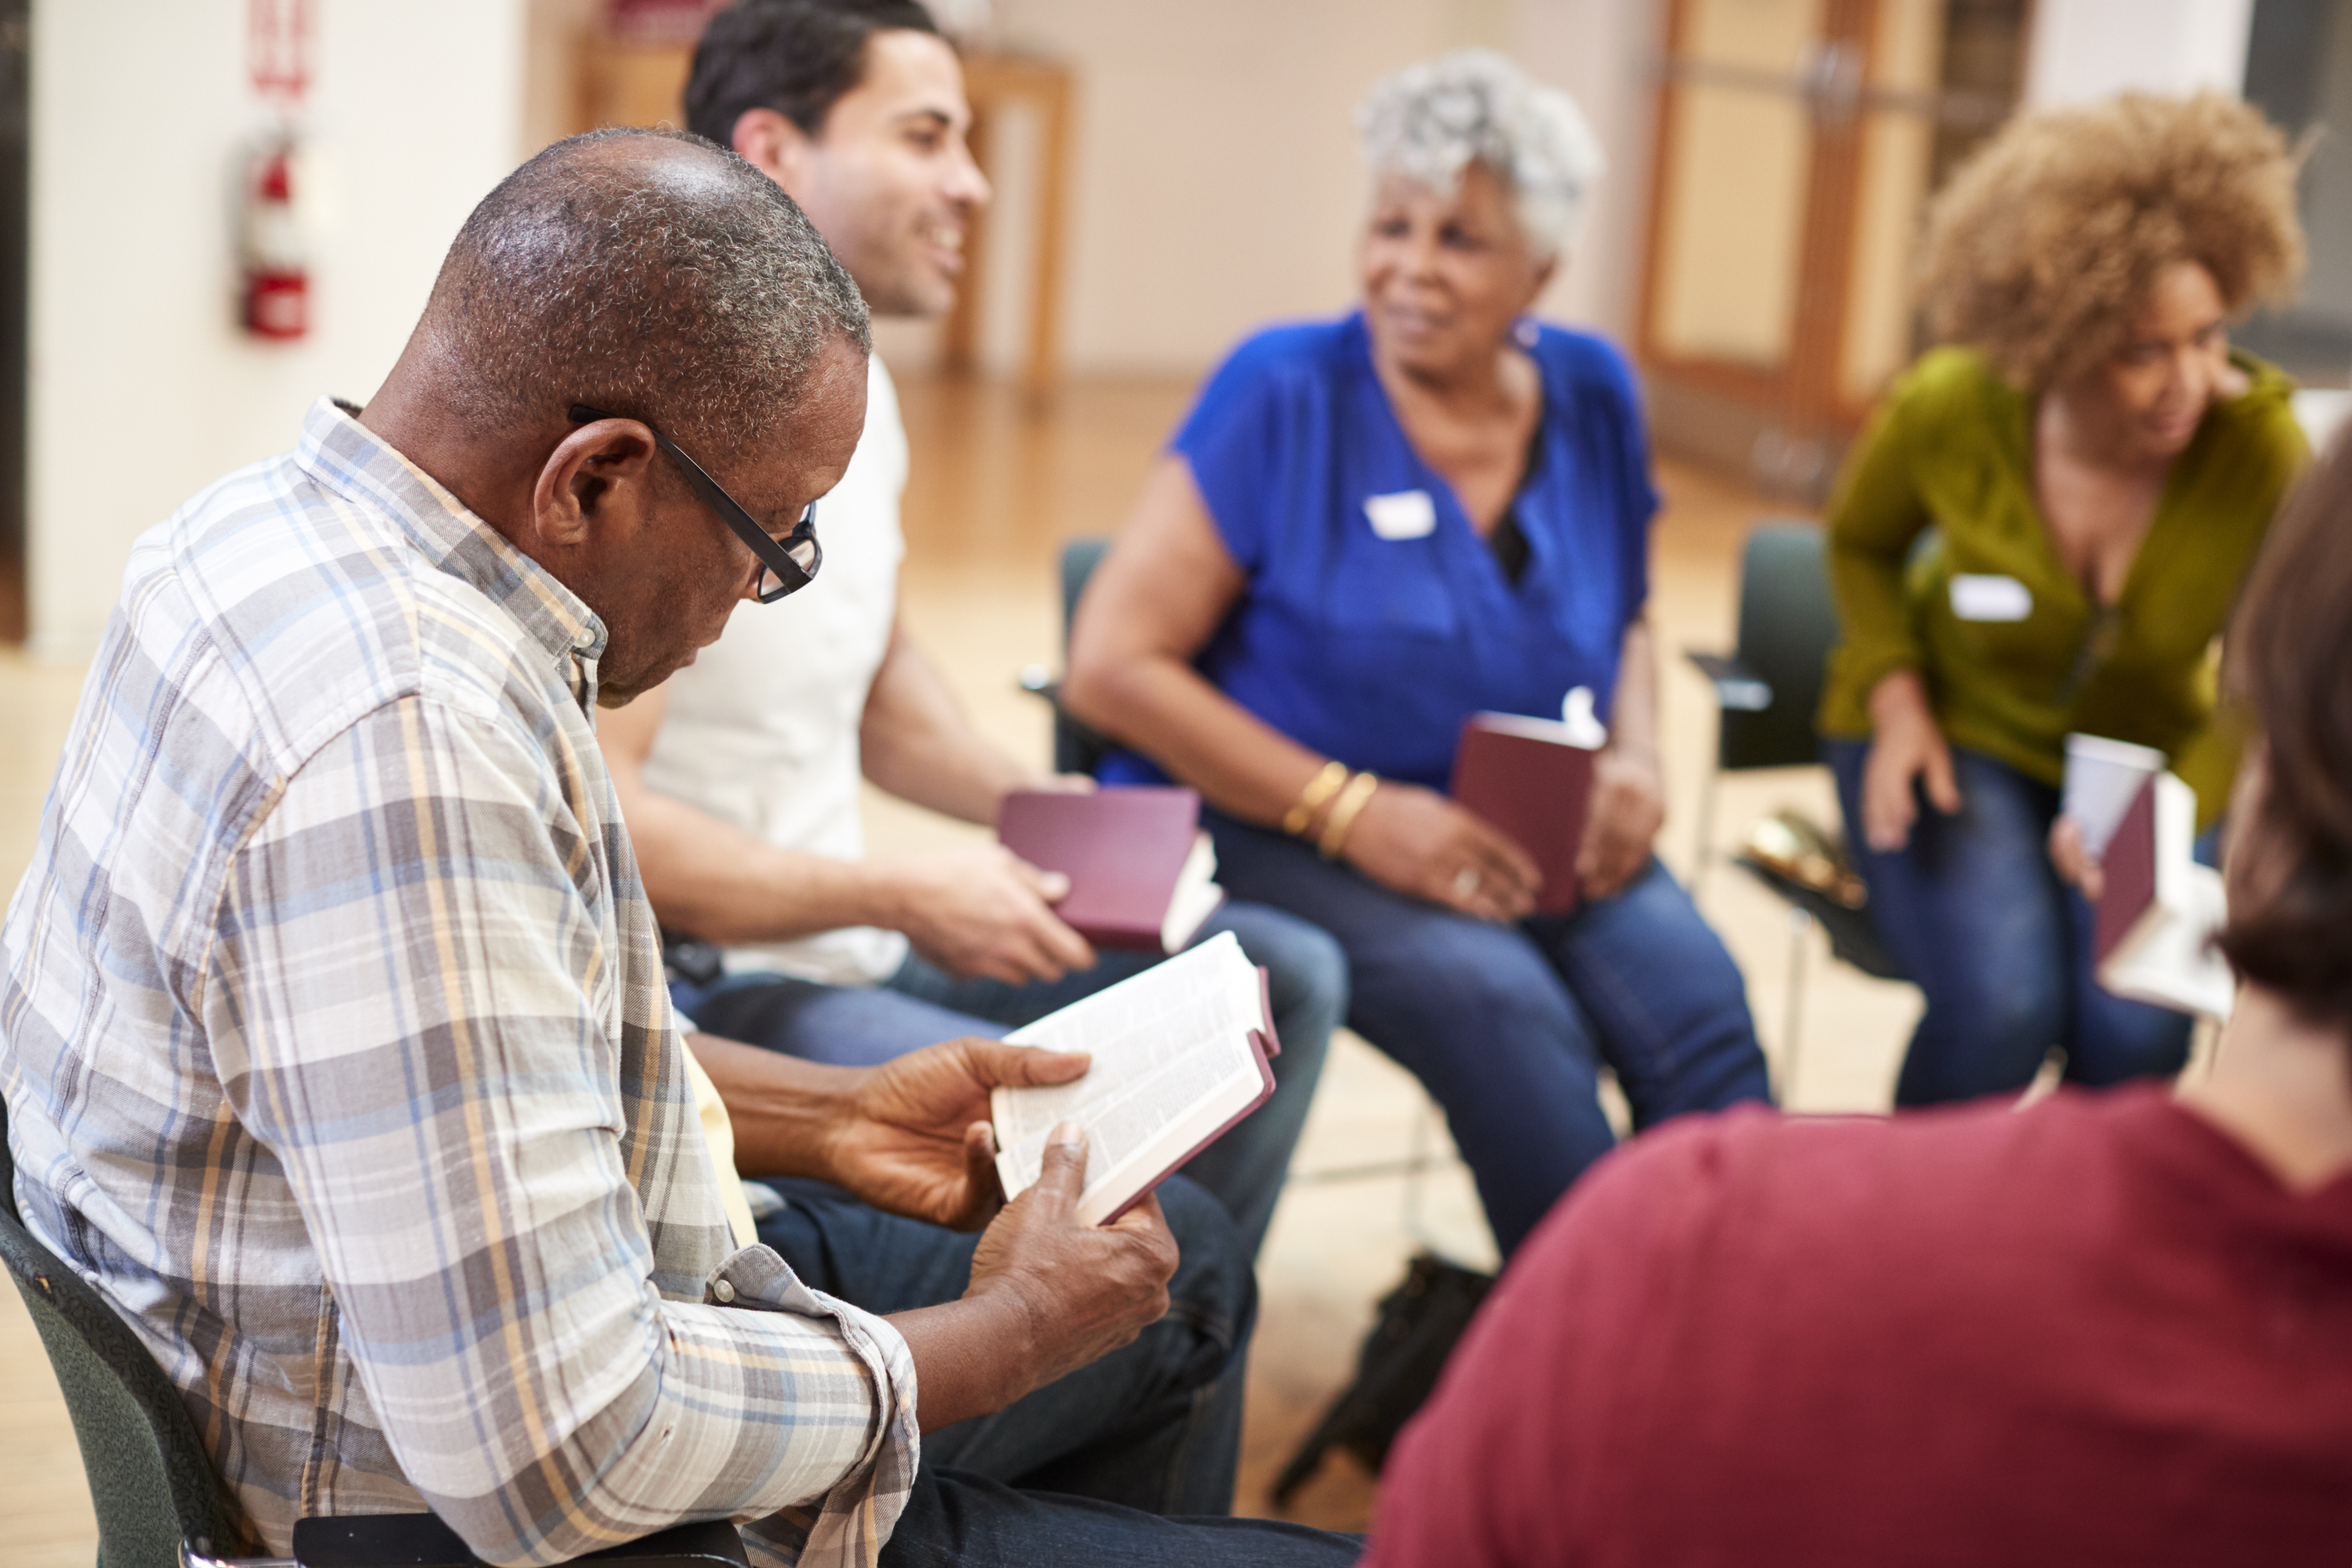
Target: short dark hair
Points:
(649, 273)
(2290, 647)
(796, 57)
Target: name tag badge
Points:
(1408, 514)
(1980, 596)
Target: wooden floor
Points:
(996, 486)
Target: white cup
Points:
(2103, 778)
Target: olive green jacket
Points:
(2013, 652)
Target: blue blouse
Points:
(1376, 619)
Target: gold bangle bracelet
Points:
(1344, 812)
(1321, 788)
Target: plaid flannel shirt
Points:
(336, 1053)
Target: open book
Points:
(1142, 874)
(1179, 1056)
(2158, 909)
(1532, 778)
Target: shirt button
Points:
(724, 1292)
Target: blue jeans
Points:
(1307, 979)
(1507, 1025)
(1079, 1470)
(1975, 913)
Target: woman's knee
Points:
(1464, 989)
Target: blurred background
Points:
(214, 211)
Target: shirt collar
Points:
(353, 462)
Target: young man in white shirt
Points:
(740, 778)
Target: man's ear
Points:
(599, 476)
(772, 145)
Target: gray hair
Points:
(1428, 122)
(646, 273)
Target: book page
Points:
(2173, 962)
(1172, 1062)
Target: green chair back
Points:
(1076, 749)
(1788, 625)
(151, 1483)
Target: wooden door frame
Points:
(1796, 389)
(1804, 396)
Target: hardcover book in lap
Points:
(1179, 1056)
(1142, 874)
(2158, 909)
(1532, 778)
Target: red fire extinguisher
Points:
(276, 270)
(272, 253)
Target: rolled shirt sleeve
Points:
(412, 1008)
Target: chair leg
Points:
(1417, 1162)
(1792, 1029)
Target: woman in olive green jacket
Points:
(2042, 532)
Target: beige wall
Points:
(142, 387)
(1216, 184)
(1216, 179)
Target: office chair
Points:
(159, 1502)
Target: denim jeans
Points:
(1078, 1471)
(1306, 979)
(1975, 913)
(1507, 1025)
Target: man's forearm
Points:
(916, 742)
(972, 1357)
(723, 884)
(783, 1110)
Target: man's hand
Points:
(1629, 806)
(1417, 842)
(915, 1139)
(987, 912)
(1084, 1290)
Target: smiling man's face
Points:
(888, 180)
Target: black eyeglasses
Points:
(786, 566)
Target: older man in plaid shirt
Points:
(332, 1025)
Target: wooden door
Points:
(1797, 143)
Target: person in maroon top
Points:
(2113, 1327)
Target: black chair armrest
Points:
(1737, 686)
(422, 1541)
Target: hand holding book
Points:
(1179, 1056)
(1417, 842)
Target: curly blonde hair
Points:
(2042, 246)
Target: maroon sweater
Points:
(2092, 1331)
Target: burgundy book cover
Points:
(2128, 871)
(1120, 849)
(1536, 790)
(1263, 1042)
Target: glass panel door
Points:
(1738, 151)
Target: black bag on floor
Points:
(1420, 1322)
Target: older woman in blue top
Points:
(1367, 530)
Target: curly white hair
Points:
(1429, 121)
